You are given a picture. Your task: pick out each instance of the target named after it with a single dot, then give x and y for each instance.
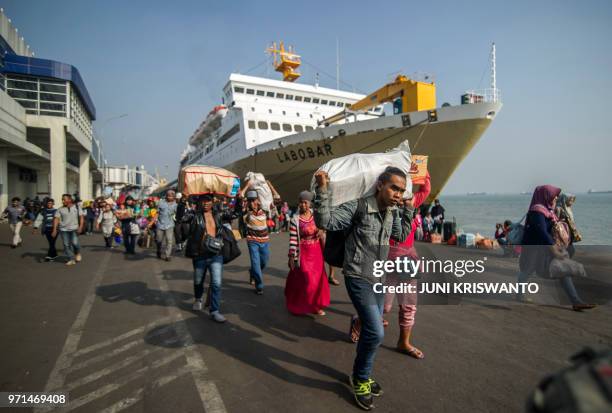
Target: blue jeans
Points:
(71, 243)
(566, 283)
(260, 254)
(52, 251)
(215, 265)
(369, 306)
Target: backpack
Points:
(333, 253)
(517, 230)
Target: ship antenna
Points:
(337, 64)
(493, 73)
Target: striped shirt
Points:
(257, 226)
(294, 238)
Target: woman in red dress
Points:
(306, 289)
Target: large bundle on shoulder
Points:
(257, 182)
(200, 179)
(354, 176)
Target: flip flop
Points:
(413, 352)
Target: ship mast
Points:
(493, 73)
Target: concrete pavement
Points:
(118, 334)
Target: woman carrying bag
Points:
(543, 242)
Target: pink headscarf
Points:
(542, 200)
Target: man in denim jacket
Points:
(370, 223)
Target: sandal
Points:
(412, 352)
(385, 323)
(333, 281)
(320, 312)
(355, 329)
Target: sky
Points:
(164, 65)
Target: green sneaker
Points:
(375, 388)
(362, 393)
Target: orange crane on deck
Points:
(407, 95)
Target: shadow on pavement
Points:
(247, 347)
(138, 292)
(177, 275)
(275, 272)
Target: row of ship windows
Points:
(297, 98)
(262, 125)
(284, 112)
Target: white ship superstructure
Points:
(261, 110)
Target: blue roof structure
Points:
(34, 66)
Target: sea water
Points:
(480, 213)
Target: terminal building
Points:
(47, 144)
(135, 180)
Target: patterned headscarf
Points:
(542, 200)
(563, 204)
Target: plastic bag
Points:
(560, 268)
(354, 176)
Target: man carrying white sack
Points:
(370, 222)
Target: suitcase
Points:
(466, 241)
(449, 229)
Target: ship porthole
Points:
(491, 114)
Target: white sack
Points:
(354, 176)
(258, 183)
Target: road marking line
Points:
(122, 381)
(58, 375)
(106, 371)
(113, 353)
(209, 394)
(102, 344)
(138, 394)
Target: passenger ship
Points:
(287, 130)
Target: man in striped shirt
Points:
(258, 239)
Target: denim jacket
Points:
(368, 240)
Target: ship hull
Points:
(446, 141)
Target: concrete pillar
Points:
(42, 184)
(58, 163)
(84, 176)
(3, 180)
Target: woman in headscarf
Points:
(306, 289)
(539, 244)
(564, 213)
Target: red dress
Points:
(307, 289)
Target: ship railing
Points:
(489, 95)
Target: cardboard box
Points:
(199, 179)
(418, 169)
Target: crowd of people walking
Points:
(378, 227)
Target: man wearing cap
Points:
(166, 210)
(255, 220)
